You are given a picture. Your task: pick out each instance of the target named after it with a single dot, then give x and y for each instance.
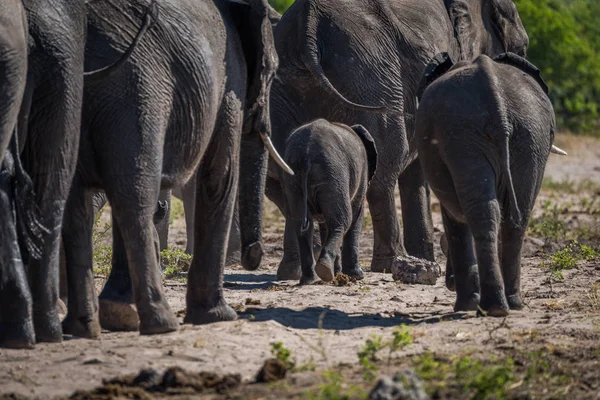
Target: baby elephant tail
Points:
(305, 216)
(515, 213)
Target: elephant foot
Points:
(252, 256)
(514, 302)
(324, 270)
(382, 265)
(48, 327)
(17, 335)
(308, 280)
(496, 306)
(118, 315)
(355, 272)
(84, 327)
(158, 319)
(289, 271)
(199, 315)
(467, 303)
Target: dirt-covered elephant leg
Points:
(117, 305)
(217, 185)
(461, 265)
(416, 212)
(82, 316)
(350, 262)
(289, 267)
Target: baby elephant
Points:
(484, 132)
(334, 165)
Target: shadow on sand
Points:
(331, 319)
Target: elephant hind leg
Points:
(512, 242)
(217, 183)
(338, 218)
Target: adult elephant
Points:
(359, 62)
(48, 131)
(198, 87)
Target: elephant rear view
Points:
(334, 165)
(484, 132)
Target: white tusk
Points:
(274, 154)
(557, 150)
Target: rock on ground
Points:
(405, 385)
(413, 270)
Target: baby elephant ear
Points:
(369, 144)
(524, 65)
(437, 67)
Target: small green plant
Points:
(368, 354)
(568, 258)
(549, 225)
(334, 388)
(175, 261)
(483, 381)
(283, 354)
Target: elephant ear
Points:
(464, 29)
(438, 66)
(523, 65)
(369, 144)
(253, 25)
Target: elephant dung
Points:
(413, 270)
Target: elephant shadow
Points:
(248, 281)
(331, 319)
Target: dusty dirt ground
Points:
(326, 325)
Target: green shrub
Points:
(281, 5)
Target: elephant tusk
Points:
(557, 150)
(266, 139)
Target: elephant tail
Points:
(311, 59)
(30, 230)
(150, 18)
(305, 216)
(515, 213)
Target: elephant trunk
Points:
(253, 169)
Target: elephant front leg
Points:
(117, 306)
(16, 323)
(512, 242)
(461, 266)
(416, 212)
(82, 315)
(162, 226)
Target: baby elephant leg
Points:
(350, 263)
(512, 241)
(307, 261)
(461, 267)
(338, 220)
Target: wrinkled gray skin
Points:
(16, 324)
(333, 164)
(48, 128)
(335, 54)
(484, 131)
(197, 87)
(187, 194)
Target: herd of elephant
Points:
(225, 101)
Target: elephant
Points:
(358, 62)
(484, 131)
(41, 159)
(333, 165)
(194, 94)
